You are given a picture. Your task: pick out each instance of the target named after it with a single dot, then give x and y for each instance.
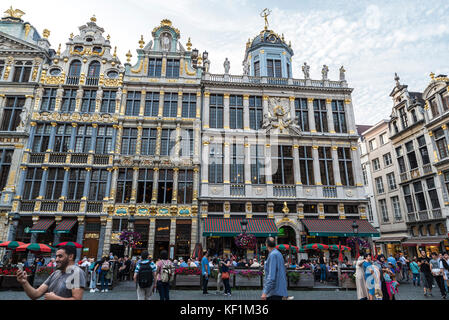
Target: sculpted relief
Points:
(278, 118)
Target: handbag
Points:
(225, 275)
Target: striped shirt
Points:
(153, 266)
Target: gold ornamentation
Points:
(46, 33)
(13, 13)
(189, 45)
(27, 29)
(128, 56)
(139, 69)
(141, 42)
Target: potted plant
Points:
(347, 280)
(42, 273)
(187, 277)
(302, 278)
(247, 278)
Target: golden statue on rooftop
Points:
(14, 13)
(264, 14)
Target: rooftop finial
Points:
(128, 56)
(115, 52)
(264, 14)
(432, 76)
(93, 19)
(396, 78)
(14, 13)
(141, 42)
(189, 45)
(59, 50)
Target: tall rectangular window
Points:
(48, 99)
(391, 181)
(68, 100)
(88, 101)
(282, 164)
(185, 186)
(41, 137)
(408, 198)
(384, 210)
(77, 179)
(133, 103)
(236, 112)
(187, 141)
(345, 165)
(188, 105)
(338, 111)
(306, 165)
(151, 104)
(124, 185)
(419, 196)
(433, 194)
(274, 68)
(83, 138)
(170, 104)
(401, 161)
(103, 143)
(376, 164)
(5, 165)
(55, 180)
(216, 111)
(145, 185)
(434, 108)
(97, 185)
(255, 112)
(326, 169)
(423, 150)
(444, 98)
(165, 186)
(168, 140)
(320, 110)
(149, 137)
(62, 137)
(22, 71)
(440, 141)
(237, 163)
(32, 185)
(257, 164)
(387, 159)
(108, 101)
(396, 208)
(2, 67)
(216, 163)
(411, 155)
(302, 113)
(257, 69)
(379, 185)
(129, 141)
(172, 68)
(403, 116)
(11, 113)
(154, 67)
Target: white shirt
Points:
(192, 265)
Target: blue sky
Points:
(372, 40)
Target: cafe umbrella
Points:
(36, 247)
(72, 244)
(11, 244)
(315, 246)
(335, 247)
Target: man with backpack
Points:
(165, 274)
(144, 276)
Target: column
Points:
(357, 167)
(268, 170)
(198, 105)
(292, 108)
(43, 183)
(73, 137)
(158, 141)
(107, 236)
(335, 166)
(226, 111)
(98, 99)
(265, 103)
(113, 183)
(179, 110)
(123, 102)
(161, 103)
(350, 116)
(151, 237)
(330, 117)
(247, 160)
(79, 98)
(155, 185)
(21, 181)
(316, 166)
(94, 137)
(80, 235)
(205, 163)
(142, 103)
(87, 184)
(114, 137)
(226, 163)
(196, 185)
(108, 184)
(175, 186)
(177, 143)
(51, 142)
(246, 112)
(206, 105)
(32, 132)
(134, 184)
(194, 234)
(196, 144)
(118, 139)
(102, 236)
(118, 100)
(311, 115)
(172, 234)
(65, 185)
(139, 139)
(296, 169)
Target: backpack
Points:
(167, 272)
(445, 264)
(105, 266)
(145, 275)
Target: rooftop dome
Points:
(268, 38)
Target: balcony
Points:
(411, 217)
(277, 81)
(423, 215)
(92, 81)
(37, 158)
(427, 168)
(72, 206)
(49, 206)
(57, 158)
(436, 214)
(101, 159)
(329, 192)
(71, 80)
(79, 158)
(27, 206)
(237, 190)
(94, 206)
(284, 191)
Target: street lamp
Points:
(355, 228)
(15, 220)
(243, 223)
(195, 56)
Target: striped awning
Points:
(339, 228)
(42, 225)
(65, 226)
(230, 227)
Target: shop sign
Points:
(91, 236)
(121, 211)
(184, 211)
(163, 211)
(115, 238)
(143, 211)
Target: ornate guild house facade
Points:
(91, 147)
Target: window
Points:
(257, 164)
(326, 169)
(11, 113)
(306, 165)
(170, 105)
(338, 111)
(77, 179)
(408, 198)
(237, 169)
(89, 101)
(124, 185)
(330, 208)
(403, 116)
(257, 69)
(391, 181)
(419, 196)
(387, 159)
(237, 207)
(215, 207)
(187, 141)
(216, 111)
(302, 113)
(216, 163)
(372, 144)
(185, 186)
(62, 138)
(2, 67)
(133, 103)
(93, 73)
(48, 100)
(274, 68)
(395, 127)
(441, 143)
(22, 71)
(379, 185)
(396, 208)
(365, 175)
(97, 186)
(108, 102)
(168, 139)
(55, 180)
(165, 186)
(255, 112)
(376, 164)
(129, 141)
(103, 143)
(259, 208)
(149, 137)
(434, 108)
(155, 67)
(75, 68)
(33, 180)
(446, 180)
(445, 99)
(5, 164)
(310, 208)
(151, 104)
(320, 110)
(401, 161)
(172, 68)
(384, 210)
(145, 186)
(411, 155)
(345, 165)
(414, 117)
(41, 137)
(83, 138)
(236, 112)
(188, 105)
(69, 100)
(370, 212)
(282, 164)
(433, 194)
(423, 150)
(383, 139)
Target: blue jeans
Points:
(164, 290)
(103, 280)
(93, 280)
(417, 279)
(323, 272)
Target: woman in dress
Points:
(362, 292)
(369, 276)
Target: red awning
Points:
(42, 225)
(230, 227)
(65, 226)
(339, 228)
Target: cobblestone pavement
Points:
(125, 291)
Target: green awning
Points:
(42, 225)
(339, 228)
(65, 226)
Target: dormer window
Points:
(444, 98)
(434, 107)
(97, 49)
(274, 68)
(403, 116)
(89, 39)
(112, 74)
(257, 69)
(414, 117)
(78, 48)
(55, 72)
(395, 126)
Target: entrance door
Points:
(161, 237)
(90, 248)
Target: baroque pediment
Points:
(9, 44)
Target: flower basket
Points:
(247, 278)
(300, 279)
(347, 281)
(187, 277)
(42, 273)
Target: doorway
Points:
(161, 237)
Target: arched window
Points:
(94, 70)
(74, 72)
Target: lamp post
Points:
(355, 228)
(195, 56)
(244, 223)
(15, 218)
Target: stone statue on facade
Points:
(324, 72)
(396, 78)
(306, 70)
(206, 64)
(227, 66)
(342, 74)
(165, 42)
(23, 120)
